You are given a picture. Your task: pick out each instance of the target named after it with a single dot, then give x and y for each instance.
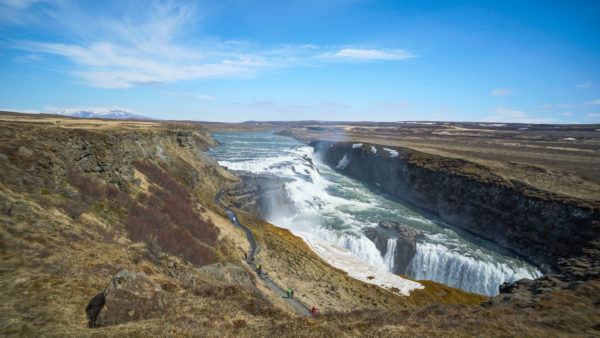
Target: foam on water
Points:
(334, 209)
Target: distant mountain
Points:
(103, 113)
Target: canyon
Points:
(75, 194)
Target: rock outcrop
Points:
(49, 155)
(132, 296)
(261, 194)
(406, 245)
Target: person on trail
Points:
(314, 311)
(289, 292)
(245, 256)
(258, 269)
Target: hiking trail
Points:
(254, 248)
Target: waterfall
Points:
(438, 263)
(335, 210)
(390, 254)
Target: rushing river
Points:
(334, 209)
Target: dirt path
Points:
(254, 248)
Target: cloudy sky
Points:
(506, 61)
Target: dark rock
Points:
(131, 296)
(263, 195)
(185, 140)
(406, 246)
(93, 308)
(24, 152)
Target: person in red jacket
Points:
(314, 311)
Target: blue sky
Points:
(506, 61)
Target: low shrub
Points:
(166, 218)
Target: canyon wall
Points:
(540, 226)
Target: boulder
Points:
(25, 152)
(130, 296)
(527, 293)
(406, 246)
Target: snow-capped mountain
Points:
(103, 113)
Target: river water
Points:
(333, 209)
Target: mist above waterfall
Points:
(336, 209)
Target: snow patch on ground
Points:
(357, 145)
(344, 260)
(569, 139)
(392, 152)
(343, 163)
(492, 124)
(374, 150)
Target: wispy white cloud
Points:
(17, 110)
(290, 111)
(595, 102)
(18, 4)
(17, 11)
(593, 115)
(370, 54)
(154, 45)
(503, 114)
(567, 113)
(590, 103)
(193, 95)
(585, 85)
(501, 91)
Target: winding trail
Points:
(300, 308)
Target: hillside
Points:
(128, 207)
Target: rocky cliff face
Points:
(261, 194)
(540, 226)
(406, 242)
(48, 155)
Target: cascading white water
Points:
(390, 253)
(437, 262)
(335, 209)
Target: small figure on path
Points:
(314, 311)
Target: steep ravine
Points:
(546, 229)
